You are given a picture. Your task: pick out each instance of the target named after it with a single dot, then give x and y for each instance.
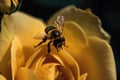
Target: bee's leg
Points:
(64, 44)
(43, 40)
(55, 45)
(56, 48)
(59, 45)
(49, 46)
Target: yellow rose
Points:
(88, 57)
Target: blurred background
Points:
(107, 10)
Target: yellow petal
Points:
(88, 10)
(5, 57)
(31, 58)
(44, 52)
(15, 2)
(26, 74)
(5, 41)
(97, 60)
(83, 76)
(74, 33)
(75, 37)
(67, 61)
(90, 23)
(2, 77)
(102, 57)
(25, 27)
(46, 71)
(17, 56)
(36, 59)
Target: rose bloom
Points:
(87, 57)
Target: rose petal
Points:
(25, 27)
(75, 37)
(46, 71)
(26, 74)
(15, 2)
(102, 54)
(5, 62)
(44, 52)
(17, 56)
(2, 77)
(31, 58)
(66, 60)
(74, 33)
(97, 60)
(90, 23)
(37, 56)
(83, 76)
(5, 41)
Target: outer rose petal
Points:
(23, 26)
(102, 56)
(90, 23)
(97, 60)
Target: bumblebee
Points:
(53, 34)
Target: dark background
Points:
(108, 12)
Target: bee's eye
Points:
(47, 29)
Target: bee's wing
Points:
(59, 23)
(40, 35)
